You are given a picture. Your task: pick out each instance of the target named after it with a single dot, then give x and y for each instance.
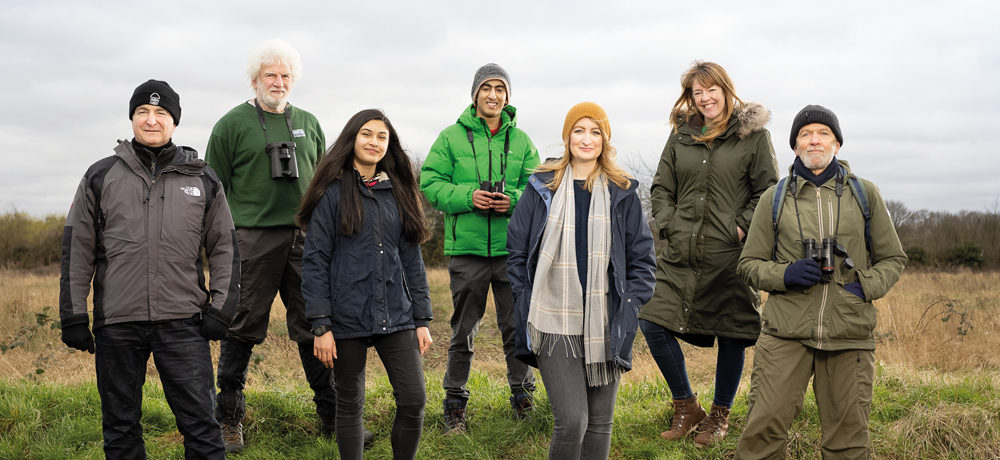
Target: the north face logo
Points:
(192, 191)
(154, 99)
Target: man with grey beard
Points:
(819, 319)
(265, 151)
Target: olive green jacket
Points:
(700, 194)
(824, 316)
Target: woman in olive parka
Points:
(717, 162)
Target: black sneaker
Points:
(454, 418)
(523, 404)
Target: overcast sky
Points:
(915, 84)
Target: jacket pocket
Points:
(853, 318)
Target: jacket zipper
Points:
(489, 177)
(379, 232)
(149, 205)
(826, 287)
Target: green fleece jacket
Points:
(237, 152)
(824, 316)
(452, 171)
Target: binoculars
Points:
(824, 255)
(283, 164)
(491, 187)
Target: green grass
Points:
(913, 416)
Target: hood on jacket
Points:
(468, 119)
(747, 118)
(617, 193)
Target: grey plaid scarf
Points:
(555, 312)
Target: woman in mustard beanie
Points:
(717, 162)
(581, 263)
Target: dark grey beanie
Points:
(489, 72)
(815, 114)
(159, 93)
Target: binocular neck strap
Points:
(503, 158)
(839, 188)
(263, 126)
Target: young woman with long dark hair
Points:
(363, 276)
(581, 263)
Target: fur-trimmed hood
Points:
(747, 118)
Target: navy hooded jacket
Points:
(372, 282)
(633, 263)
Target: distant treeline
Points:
(941, 239)
(931, 239)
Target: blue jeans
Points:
(183, 360)
(670, 359)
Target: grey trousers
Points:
(582, 415)
(471, 278)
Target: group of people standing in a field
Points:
(564, 245)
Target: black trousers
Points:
(400, 355)
(271, 264)
(183, 360)
(471, 279)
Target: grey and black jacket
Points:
(139, 236)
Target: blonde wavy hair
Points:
(606, 164)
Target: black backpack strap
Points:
(777, 203)
(861, 196)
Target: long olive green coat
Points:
(701, 193)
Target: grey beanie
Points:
(490, 71)
(815, 114)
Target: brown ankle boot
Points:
(714, 428)
(687, 414)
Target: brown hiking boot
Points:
(232, 436)
(522, 405)
(714, 427)
(454, 417)
(687, 415)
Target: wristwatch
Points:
(320, 330)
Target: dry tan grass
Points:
(935, 345)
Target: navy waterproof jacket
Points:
(372, 282)
(632, 263)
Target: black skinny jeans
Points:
(400, 355)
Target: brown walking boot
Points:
(714, 428)
(232, 436)
(687, 415)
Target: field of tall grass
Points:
(937, 388)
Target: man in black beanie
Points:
(819, 320)
(135, 232)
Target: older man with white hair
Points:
(265, 151)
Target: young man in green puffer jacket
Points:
(475, 173)
(819, 319)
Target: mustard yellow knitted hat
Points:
(587, 110)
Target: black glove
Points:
(78, 336)
(213, 325)
(802, 274)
